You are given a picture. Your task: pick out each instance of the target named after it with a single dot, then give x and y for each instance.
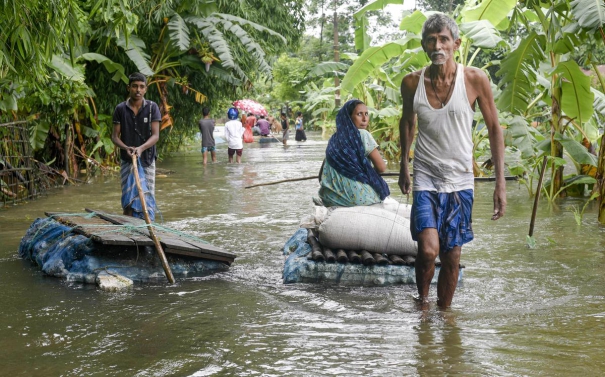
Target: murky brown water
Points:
(518, 312)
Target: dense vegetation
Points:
(64, 64)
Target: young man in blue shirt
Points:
(136, 130)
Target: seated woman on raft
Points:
(349, 175)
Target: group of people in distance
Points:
(236, 132)
(439, 102)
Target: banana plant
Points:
(320, 103)
(590, 15)
(562, 85)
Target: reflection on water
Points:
(517, 312)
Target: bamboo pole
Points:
(306, 179)
(479, 179)
(273, 136)
(538, 189)
(158, 246)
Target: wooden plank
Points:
(102, 234)
(209, 248)
(93, 229)
(200, 255)
(167, 239)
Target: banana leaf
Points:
(576, 151)
(518, 75)
(327, 67)
(134, 48)
(413, 22)
(372, 58)
(109, 65)
(179, 32)
(590, 14)
(482, 32)
(64, 67)
(576, 99)
(493, 11)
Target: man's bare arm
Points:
(487, 106)
(407, 128)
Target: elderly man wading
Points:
(443, 97)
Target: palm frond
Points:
(64, 67)
(243, 21)
(179, 32)
(218, 42)
(518, 74)
(134, 48)
(251, 46)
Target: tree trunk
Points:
(336, 58)
(601, 181)
(66, 149)
(164, 106)
(556, 149)
(321, 31)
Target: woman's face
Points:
(360, 116)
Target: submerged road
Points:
(517, 312)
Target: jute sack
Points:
(367, 228)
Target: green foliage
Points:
(289, 73)
(482, 33)
(362, 40)
(494, 11)
(327, 67)
(577, 99)
(444, 6)
(518, 75)
(590, 14)
(373, 58)
(579, 214)
(67, 60)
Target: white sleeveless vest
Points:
(443, 156)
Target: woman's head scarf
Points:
(346, 152)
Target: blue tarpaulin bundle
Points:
(130, 195)
(60, 252)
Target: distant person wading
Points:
(234, 133)
(207, 130)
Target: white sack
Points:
(320, 213)
(368, 228)
(394, 206)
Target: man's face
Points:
(137, 90)
(440, 46)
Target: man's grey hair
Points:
(436, 22)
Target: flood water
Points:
(518, 311)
